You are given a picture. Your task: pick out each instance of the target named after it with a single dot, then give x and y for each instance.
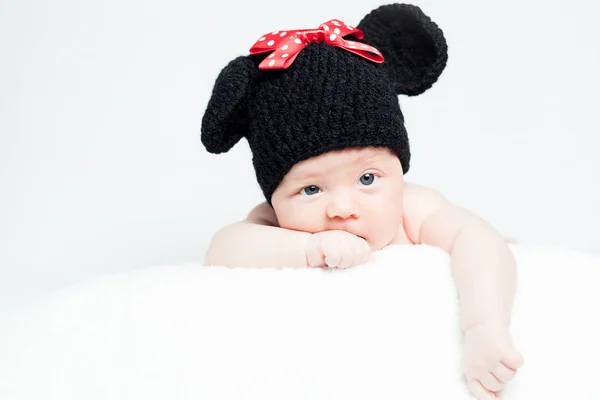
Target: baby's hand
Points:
(489, 359)
(336, 249)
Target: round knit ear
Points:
(413, 46)
(225, 120)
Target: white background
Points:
(102, 168)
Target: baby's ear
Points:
(413, 46)
(225, 120)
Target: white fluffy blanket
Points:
(384, 330)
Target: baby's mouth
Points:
(354, 233)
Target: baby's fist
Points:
(336, 249)
(490, 360)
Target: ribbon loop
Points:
(286, 45)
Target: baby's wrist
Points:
(310, 251)
(487, 323)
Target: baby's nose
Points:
(342, 206)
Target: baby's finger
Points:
(479, 391)
(490, 382)
(357, 251)
(314, 255)
(514, 360)
(332, 254)
(346, 254)
(503, 373)
(366, 251)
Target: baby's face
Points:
(355, 190)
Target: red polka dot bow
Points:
(287, 44)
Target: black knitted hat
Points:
(329, 98)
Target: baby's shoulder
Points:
(263, 214)
(414, 194)
(419, 203)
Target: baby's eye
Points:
(368, 179)
(310, 190)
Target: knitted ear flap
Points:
(226, 116)
(413, 46)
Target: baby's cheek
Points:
(298, 221)
(386, 227)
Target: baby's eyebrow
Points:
(366, 159)
(359, 161)
(305, 175)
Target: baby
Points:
(320, 111)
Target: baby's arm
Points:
(484, 273)
(482, 264)
(258, 242)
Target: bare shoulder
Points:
(430, 217)
(419, 203)
(263, 214)
(416, 194)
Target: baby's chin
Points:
(377, 244)
(379, 240)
